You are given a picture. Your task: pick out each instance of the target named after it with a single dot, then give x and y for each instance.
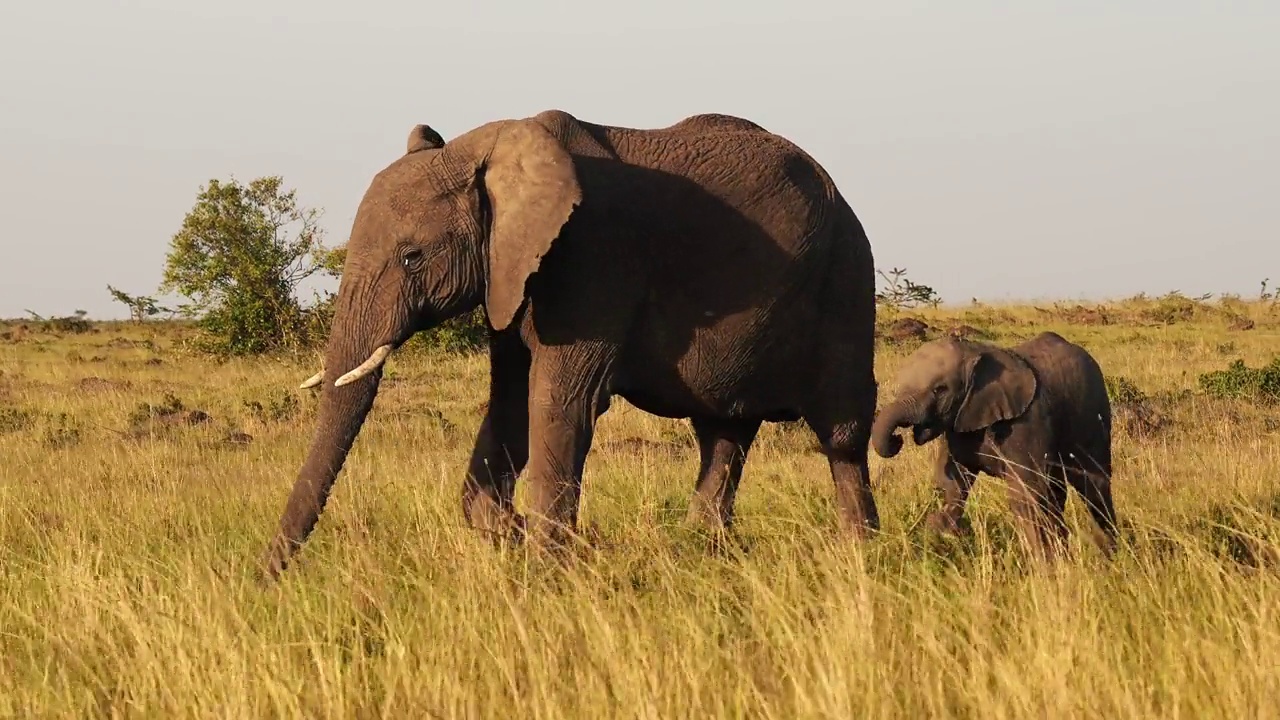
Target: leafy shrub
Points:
(15, 419)
(1174, 307)
(239, 256)
(280, 407)
(1264, 295)
(463, 334)
(61, 431)
(1240, 381)
(1244, 530)
(76, 323)
(1121, 389)
(140, 307)
(57, 430)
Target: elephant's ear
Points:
(422, 137)
(532, 187)
(1001, 386)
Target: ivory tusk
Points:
(375, 361)
(312, 381)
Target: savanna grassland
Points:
(139, 483)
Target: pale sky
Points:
(1071, 149)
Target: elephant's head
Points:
(440, 230)
(954, 385)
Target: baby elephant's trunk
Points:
(884, 432)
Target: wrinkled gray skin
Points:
(1036, 415)
(709, 270)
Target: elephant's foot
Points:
(708, 514)
(950, 523)
(856, 513)
(709, 517)
(553, 542)
(858, 529)
(501, 525)
(275, 559)
(845, 445)
(856, 510)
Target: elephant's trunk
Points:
(341, 415)
(884, 435)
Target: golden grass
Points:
(127, 547)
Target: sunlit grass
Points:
(127, 546)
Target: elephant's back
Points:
(1073, 376)
(722, 162)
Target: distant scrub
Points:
(55, 429)
(75, 323)
(1242, 382)
(900, 292)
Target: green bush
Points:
(1121, 389)
(1243, 382)
(239, 256)
(465, 333)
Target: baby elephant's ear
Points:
(1001, 386)
(422, 137)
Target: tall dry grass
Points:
(128, 536)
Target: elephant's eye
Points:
(411, 257)
(939, 389)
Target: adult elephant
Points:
(708, 270)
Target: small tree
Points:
(900, 292)
(320, 315)
(239, 257)
(140, 307)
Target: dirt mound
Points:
(148, 418)
(966, 332)
(1138, 418)
(906, 329)
(124, 343)
(94, 383)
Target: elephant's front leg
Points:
(502, 444)
(723, 445)
(568, 391)
(954, 481)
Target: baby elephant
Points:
(1036, 415)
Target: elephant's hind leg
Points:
(840, 415)
(1091, 478)
(723, 445)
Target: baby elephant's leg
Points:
(1091, 478)
(954, 482)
